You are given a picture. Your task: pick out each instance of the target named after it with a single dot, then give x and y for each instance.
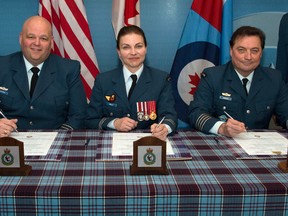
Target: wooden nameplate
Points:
(149, 157)
(12, 158)
(283, 165)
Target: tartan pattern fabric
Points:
(213, 182)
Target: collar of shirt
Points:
(28, 66)
(127, 78)
(249, 77)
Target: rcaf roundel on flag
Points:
(201, 46)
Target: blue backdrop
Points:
(162, 20)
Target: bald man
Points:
(40, 90)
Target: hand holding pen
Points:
(232, 127)
(159, 130)
(7, 125)
(160, 122)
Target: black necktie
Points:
(134, 78)
(245, 80)
(34, 79)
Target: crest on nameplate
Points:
(149, 157)
(12, 158)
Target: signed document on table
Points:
(262, 143)
(35, 143)
(122, 143)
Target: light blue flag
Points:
(204, 43)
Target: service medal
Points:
(153, 116)
(140, 116)
(152, 110)
(140, 113)
(146, 116)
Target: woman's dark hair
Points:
(128, 30)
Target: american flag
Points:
(125, 13)
(72, 38)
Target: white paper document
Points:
(262, 143)
(122, 143)
(35, 143)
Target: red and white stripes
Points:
(72, 38)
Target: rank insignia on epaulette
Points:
(110, 98)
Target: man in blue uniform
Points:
(241, 94)
(282, 47)
(53, 97)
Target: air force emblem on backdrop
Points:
(187, 72)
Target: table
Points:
(214, 182)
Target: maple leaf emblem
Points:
(194, 80)
(130, 11)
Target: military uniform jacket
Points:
(282, 47)
(221, 89)
(152, 85)
(58, 101)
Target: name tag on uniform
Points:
(225, 98)
(3, 90)
(111, 104)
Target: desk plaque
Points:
(149, 157)
(12, 158)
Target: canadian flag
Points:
(125, 13)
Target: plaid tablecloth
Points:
(214, 182)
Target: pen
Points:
(160, 122)
(87, 142)
(228, 114)
(6, 118)
(216, 139)
(231, 117)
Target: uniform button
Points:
(224, 107)
(268, 107)
(67, 102)
(128, 115)
(31, 123)
(31, 107)
(248, 111)
(111, 114)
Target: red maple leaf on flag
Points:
(194, 80)
(130, 11)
